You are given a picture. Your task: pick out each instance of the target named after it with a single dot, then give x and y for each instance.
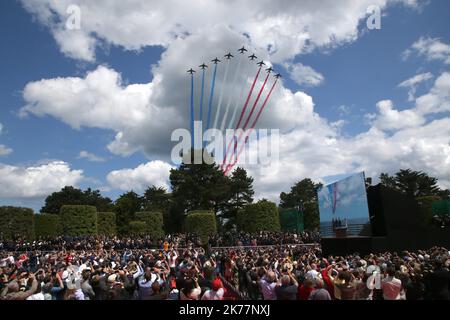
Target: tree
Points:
(156, 199)
(199, 187)
(304, 195)
(260, 216)
(413, 183)
(241, 194)
(73, 196)
(125, 207)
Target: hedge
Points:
(106, 223)
(201, 223)
(47, 225)
(137, 228)
(153, 223)
(79, 220)
(261, 216)
(16, 222)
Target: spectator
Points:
(391, 286)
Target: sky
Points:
(94, 104)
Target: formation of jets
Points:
(228, 56)
(242, 50)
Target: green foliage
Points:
(74, 196)
(47, 225)
(425, 204)
(153, 223)
(201, 223)
(303, 195)
(261, 216)
(79, 220)
(412, 183)
(16, 223)
(156, 199)
(199, 187)
(137, 228)
(241, 194)
(125, 207)
(106, 223)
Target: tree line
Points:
(204, 187)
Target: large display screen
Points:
(343, 208)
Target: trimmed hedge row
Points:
(137, 228)
(16, 222)
(47, 225)
(202, 223)
(153, 222)
(79, 220)
(106, 223)
(261, 216)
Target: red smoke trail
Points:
(250, 114)
(242, 112)
(229, 167)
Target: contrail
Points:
(192, 111)
(251, 111)
(242, 112)
(229, 167)
(211, 96)
(201, 95)
(224, 119)
(216, 119)
(256, 102)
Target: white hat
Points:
(112, 278)
(65, 275)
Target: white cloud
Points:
(4, 150)
(390, 118)
(36, 181)
(438, 99)
(90, 156)
(142, 116)
(431, 49)
(284, 28)
(139, 178)
(303, 75)
(412, 83)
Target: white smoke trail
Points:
(238, 70)
(216, 119)
(235, 108)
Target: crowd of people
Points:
(267, 266)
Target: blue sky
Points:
(357, 75)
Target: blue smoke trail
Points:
(192, 111)
(211, 96)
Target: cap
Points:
(216, 284)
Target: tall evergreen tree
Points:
(199, 187)
(156, 199)
(73, 196)
(303, 194)
(241, 194)
(413, 183)
(125, 207)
